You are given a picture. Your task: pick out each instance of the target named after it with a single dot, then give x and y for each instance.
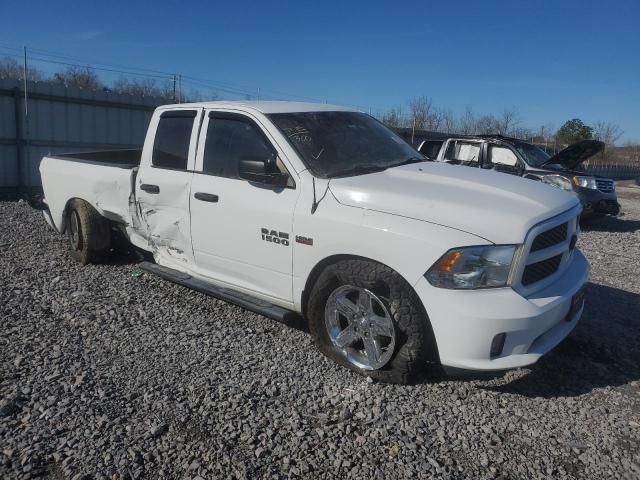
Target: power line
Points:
(48, 53)
(45, 56)
(92, 67)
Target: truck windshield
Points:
(534, 156)
(343, 143)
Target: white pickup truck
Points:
(291, 208)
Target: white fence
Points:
(61, 120)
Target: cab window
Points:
(502, 156)
(173, 136)
(463, 151)
(230, 140)
(431, 148)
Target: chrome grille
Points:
(539, 270)
(550, 237)
(546, 252)
(605, 185)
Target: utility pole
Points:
(174, 88)
(413, 130)
(24, 76)
(26, 121)
(180, 88)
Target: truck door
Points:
(163, 184)
(241, 230)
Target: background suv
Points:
(510, 155)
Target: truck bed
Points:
(104, 179)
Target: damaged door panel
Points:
(163, 189)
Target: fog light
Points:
(497, 344)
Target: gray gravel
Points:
(107, 372)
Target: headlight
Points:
(473, 267)
(585, 182)
(557, 181)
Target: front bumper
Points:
(595, 202)
(465, 322)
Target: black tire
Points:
(415, 342)
(89, 232)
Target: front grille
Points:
(605, 185)
(540, 270)
(550, 238)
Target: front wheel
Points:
(365, 316)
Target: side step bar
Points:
(228, 295)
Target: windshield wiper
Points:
(359, 170)
(409, 161)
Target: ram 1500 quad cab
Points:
(320, 211)
(597, 194)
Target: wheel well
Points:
(324, 263)
(317, 270)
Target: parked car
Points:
(509, 155)
(322, 212)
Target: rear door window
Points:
(460, 151)
(173, 136)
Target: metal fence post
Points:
(20, 160)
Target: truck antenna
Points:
(314, 205)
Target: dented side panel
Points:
(164, 216)
(106, 188)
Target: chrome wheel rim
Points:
(360, 326)
(74, 230)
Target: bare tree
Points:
(467, 124)
(79, 77)
(10, 68)
(421, 111)
(607, 132)
(524, 133)
(435, 120)
(393, 118)
(487, 124)
(509, 119)
(147, 87)
(448, 122)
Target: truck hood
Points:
(572, 156)
(498, 207)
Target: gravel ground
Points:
(107, 372)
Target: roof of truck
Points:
(266, 106)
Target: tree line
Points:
(86, 78)
(423, 114)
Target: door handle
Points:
(206, 197)
(150, 188)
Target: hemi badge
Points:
(304, 240)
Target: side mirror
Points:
(262, 170)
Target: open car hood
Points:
(575, 154)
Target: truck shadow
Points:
(610, 224)
(601, 352)
(122, 252)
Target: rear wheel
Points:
(365, 316)
(89, 232)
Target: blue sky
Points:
(550, 60)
